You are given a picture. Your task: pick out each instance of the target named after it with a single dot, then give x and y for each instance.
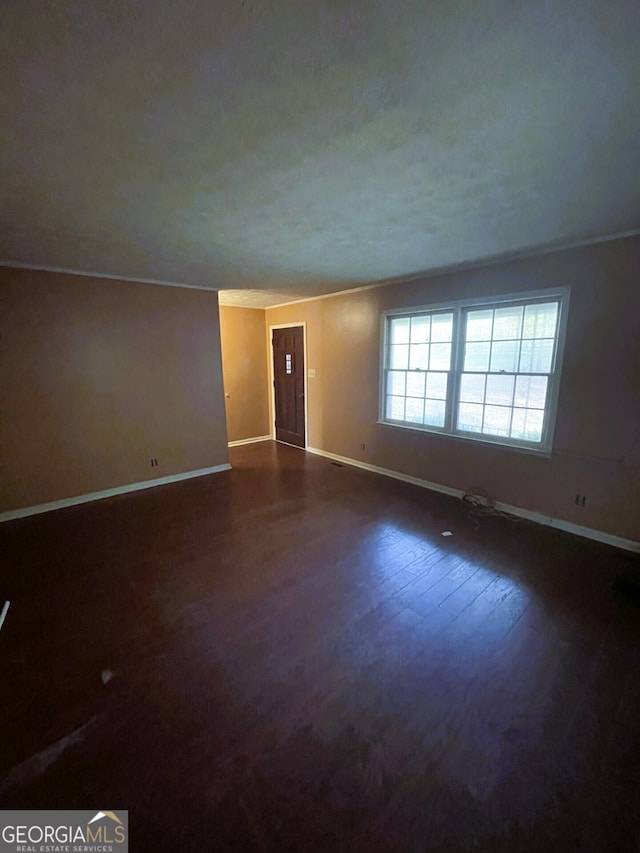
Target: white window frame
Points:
(458, 308)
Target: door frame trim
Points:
(273, 326)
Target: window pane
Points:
(434, 413)
(504, 356)
(399, 356)
(526, 424)
(536, 356)
(479, 325)
(535, 419)
(440, 357)
(540, 320)
(415, 384)
(472, 387)
(476, 357)
(395, 382)
(395, 408)
(496, 420)
(441, 327)
(414, 410)
(531, 391)
(507, 323)
(500, 390)
(419, 356)
(469, 417)
(437, 385)
(399, 331)
(518, 424)
(420, 329)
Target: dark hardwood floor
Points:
(296, 660)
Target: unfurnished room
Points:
(319, 426)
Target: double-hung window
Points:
(486, 369)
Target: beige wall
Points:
(597, 432)
(245, 370)
(98, 376)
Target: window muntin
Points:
(486, 371)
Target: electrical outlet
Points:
(154, 462)
(581, 500)
(363, 446)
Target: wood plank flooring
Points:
(300, 661)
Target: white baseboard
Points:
(249, 440)
(530, 515)
(109, 493)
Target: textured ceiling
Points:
(312, 146)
